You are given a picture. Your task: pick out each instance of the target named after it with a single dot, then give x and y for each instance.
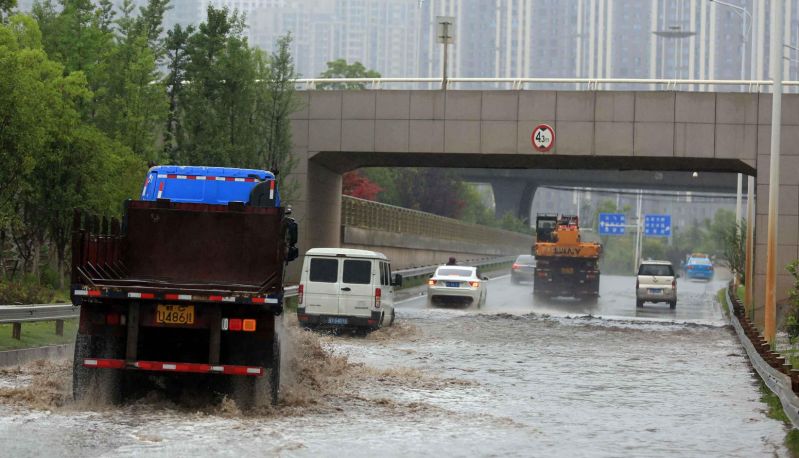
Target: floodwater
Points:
(514, 379)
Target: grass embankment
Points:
(37, 334)
(775, 411)
(723, 301)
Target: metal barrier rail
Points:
(777, 381)
(292, 291)
(43, 312)
(374, 215)
(518, 83)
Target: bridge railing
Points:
(520, 83)
(375, 215)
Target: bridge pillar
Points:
(513, 196)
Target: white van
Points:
(346, 287)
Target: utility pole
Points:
(774, 172)
(749, 282)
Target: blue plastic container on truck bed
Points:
(206, 185)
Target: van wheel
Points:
(673, 304)
(393, 317)
(639, 303)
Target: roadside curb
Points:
(24, 355)
(777, 381)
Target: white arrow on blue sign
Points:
(657, 225)
(612, 223)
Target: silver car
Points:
(656, 283)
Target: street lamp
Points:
(742, 12)
(674, 32)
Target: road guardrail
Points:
(292, 291)
(777, 381)
(18, 314)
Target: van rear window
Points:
(357, 272)
(657, 270)
(324, 270)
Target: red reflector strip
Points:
(104, 363)
(215, 298)
(173, 367)
(198, 177)
(160, 189)
(178, 297)
(142, 295)
(94, 293)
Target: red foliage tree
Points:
(357, 186)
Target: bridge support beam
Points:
(514, 196)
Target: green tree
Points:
(218, 103)
(177, 59)
(6, 6)
(276, 101)
(340, 69)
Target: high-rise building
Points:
(381, 34)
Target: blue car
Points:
(699, 268)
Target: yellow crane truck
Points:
(566, 266)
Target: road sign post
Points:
(543, 138)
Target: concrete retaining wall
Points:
(24, 355)
(407, 251)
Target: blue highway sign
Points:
(657, 225)
(612, 223)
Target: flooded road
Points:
(517, 378)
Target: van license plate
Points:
(655, 291)
(175, 314)
(453, 284)
(337, 320)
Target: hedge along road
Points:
(448, 382)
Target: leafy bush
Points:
(734, 244)
(792, 314)
(14, 293)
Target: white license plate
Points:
(337, 320)
(655, 291)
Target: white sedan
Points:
(457, 285)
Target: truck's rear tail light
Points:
(225, 324)
(123, 320)
(377, 298)
(248, 325)
(371, 321)
(303, 318)
(591, 276)
(299, 294)
(112, 319)
(475, 284)
(431, 282)
(234, 324)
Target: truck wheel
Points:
(274, 371)
(104, 385)
(639, 303)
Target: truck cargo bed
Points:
(193, 250)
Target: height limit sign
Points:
(543, 137)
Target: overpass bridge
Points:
(601, 131)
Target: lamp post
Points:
(674, 32)
(743, 13)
